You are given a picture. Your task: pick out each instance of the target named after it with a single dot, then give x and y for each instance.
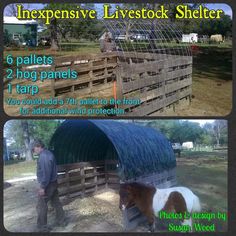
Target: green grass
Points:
(204, 154)
(145, 44)
(67, 49)
(18, 169)
(82, 47)
(208, 180)
(213, 63)
(215, 45)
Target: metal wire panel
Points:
(160, 37)
(154, 66)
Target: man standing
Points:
(106, 43)
(47, 178)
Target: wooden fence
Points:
(95, 74)
(85, 178)
(158, 80)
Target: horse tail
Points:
(196, 204)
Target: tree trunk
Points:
(54, 38)
(28, 153)
(127, 29)
(217, 132)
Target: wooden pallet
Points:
(158, 80)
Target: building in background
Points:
(19, 32)
(190, 38)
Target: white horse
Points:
(177, 199)
(152, 201)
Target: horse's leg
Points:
(151, 219)
(189, 223)
(180, 206)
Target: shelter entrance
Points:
(96, 154)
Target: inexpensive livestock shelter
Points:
(94, 154)
(152, 65)
(145, 67)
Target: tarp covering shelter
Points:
(139, 150)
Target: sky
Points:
(226, 8)
(201, 122)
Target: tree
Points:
(202, 26)
(219, 129)
(65, 29)
(179, 130)
(59, 27)
(215, 26)
(218, 132)
(26, 137)
(11, 9)
(21, 133)
(54, 35)
(165, 126)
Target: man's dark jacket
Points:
(46, 168)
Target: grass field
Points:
(94, 47)
(207, 177)
(18, 169)
(213, 63)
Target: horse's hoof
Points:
(151, 230)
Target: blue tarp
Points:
(139, 150)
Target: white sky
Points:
(201, 122)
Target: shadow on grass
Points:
(75, 47)
(12, 162)
(204, 154)
(213, 63)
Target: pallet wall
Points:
(95, 75)
(158, 80)
(86, 178)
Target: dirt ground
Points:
(100, 213)
(211, 85)
(209, 98)
(92, 214)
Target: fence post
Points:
(118, 81)
(90, 64)
(95, 178)
(53, 93)
(106, 175)
(72, 66)
(82, 174)
(105, 69)
(67, 185)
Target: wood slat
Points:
(84, 57)
(74, 166)
(150, 56)
(155, 105)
